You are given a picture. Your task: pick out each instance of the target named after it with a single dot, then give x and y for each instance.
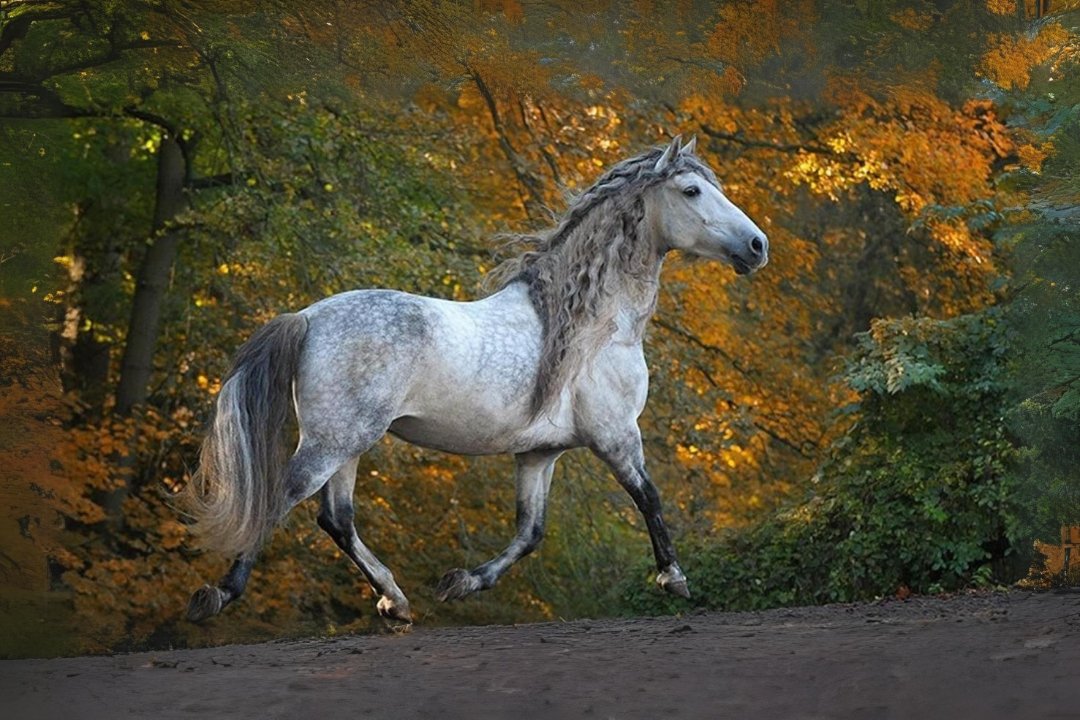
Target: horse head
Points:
(691, 213)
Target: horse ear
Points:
(669, 152)
(690, 147)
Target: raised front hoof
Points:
(395, 610)
(456, 584)
(205, 602)
(673, 581)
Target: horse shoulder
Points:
(610, 393)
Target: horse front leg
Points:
(626, 459)
(533, 473)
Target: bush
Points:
(918, 494)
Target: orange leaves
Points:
(1010, 59)
(823, 176)
(1032, 157)
(509, 9)
(1009, 7)
(912, 19)
(1001, 7)
(904, 138)
(864, 189)
(746, 33)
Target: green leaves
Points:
(920, 494)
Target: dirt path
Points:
(991, 656)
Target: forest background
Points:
(891, 406)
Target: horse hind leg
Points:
(309, 469)
(209, 600)
(336, 517)
(534, 471)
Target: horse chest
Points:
(613, 388)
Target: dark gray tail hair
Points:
(237, 494)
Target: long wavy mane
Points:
(576, 270)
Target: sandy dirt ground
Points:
(1005, 655)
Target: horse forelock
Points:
(575, 270)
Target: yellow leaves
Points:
(1010, 59)
(211, 387)
(904, 139)
(955, 235)
(183, 417)
(822, 174)
(1001, 7)
(201, 300)
(1032, 157)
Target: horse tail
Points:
(237, 494)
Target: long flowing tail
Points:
(237, 495)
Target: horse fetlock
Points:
(206, 602)
(672, 580)
(456, 584)
(394, 608)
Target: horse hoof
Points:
(392, 610)
(678, 588)
(673, 581)
(205, 602)
(456, 584)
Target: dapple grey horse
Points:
(551, 361)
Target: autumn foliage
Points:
(186, 171)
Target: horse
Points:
(550, 361)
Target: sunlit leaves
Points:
(1010, 60)
(333, 149)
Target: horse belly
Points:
(484, 410)
(467, 431)
(471, 393)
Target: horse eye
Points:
(692, 191)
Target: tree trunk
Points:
(152, 281)
(93, 274)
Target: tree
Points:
(214, 164)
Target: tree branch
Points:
(695, 340)
(738, 139)
(17, 28)
(154, 119)
(115, 53)
(212, 181)
(524, 176)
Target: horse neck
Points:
(635, 300)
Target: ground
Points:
(994, 655)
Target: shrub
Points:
(918, 494)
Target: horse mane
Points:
(575, 268)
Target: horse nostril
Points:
(758, 246)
